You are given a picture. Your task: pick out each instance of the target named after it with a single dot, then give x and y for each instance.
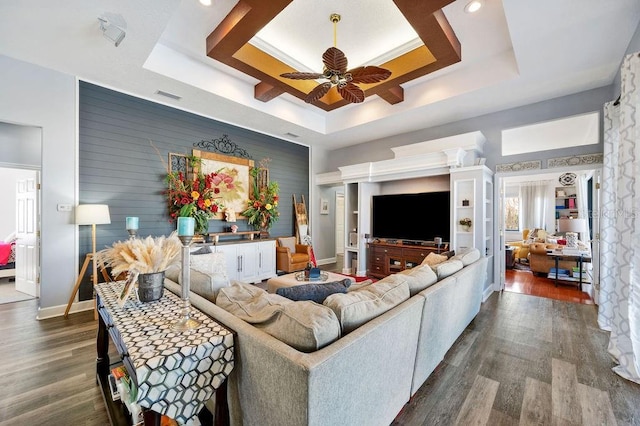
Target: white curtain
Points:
(533, 196)
(619, 309)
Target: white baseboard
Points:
(487, 293)
(326, 261)
(58, 311)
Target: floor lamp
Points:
(89, 214)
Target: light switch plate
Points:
(65, 207)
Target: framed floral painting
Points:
(232, 178)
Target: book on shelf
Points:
(561, 272)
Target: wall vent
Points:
(168, 95)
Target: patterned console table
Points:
(175, 372)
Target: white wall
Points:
(9, 178)
(20, 146)
(35, 96)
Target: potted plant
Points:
(147, 258)
(466, 223)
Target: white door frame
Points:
(499, 260)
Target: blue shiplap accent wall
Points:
(124, 146)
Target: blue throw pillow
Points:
(314, 292)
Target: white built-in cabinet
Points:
(357, 212)
(472, 198)
(249, 262)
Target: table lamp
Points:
(572, 229)
(89, 214)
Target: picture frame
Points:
(235, 198)
(324, 206)
(127, 289)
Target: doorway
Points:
(518, 271)
(339, 229)
(18, 232)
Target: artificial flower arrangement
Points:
(465, 222)
(262, 207)
(198, 196)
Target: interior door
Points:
(499, 261)
(595, 235)
(27, 244)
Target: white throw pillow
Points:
(209, 263)
(288, 242)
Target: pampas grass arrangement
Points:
(141, 256)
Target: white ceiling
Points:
(514, 53)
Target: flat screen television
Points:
(412, 217)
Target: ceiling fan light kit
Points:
(335, 71)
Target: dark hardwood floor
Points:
(523, 360)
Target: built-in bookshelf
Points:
(566, 203)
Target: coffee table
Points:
(290, 280)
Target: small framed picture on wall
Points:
(324, 206)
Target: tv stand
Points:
(387, 258)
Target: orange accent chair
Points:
(291, 257)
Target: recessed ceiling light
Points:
(473, 6)
(205, 2)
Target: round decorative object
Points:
(567, 179)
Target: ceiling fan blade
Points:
(319, 91)
(351, 93)
(334, 59)
(302, 75)
(369, 74)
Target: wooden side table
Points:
(175, 372)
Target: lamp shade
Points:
(92, 214)
(572, 225)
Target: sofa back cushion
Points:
(357, 307)
(419, 278)
(467, 256)
(305, 326)
(445, 269)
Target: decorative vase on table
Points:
(150, 286)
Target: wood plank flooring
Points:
(527, 360)
(524, 360)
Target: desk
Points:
(175, 372)
(580, 259)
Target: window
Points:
(512, 213)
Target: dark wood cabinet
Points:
(389, 258)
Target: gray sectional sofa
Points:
(364, 376)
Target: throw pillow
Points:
(357, 307)
(288, 242)
(202, 250)
(314, 292)
(209, 263)
(433, 259)
(305, 326)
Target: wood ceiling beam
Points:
(228, 43)
(393, 95)
(265, 92)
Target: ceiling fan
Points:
(335, 71)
